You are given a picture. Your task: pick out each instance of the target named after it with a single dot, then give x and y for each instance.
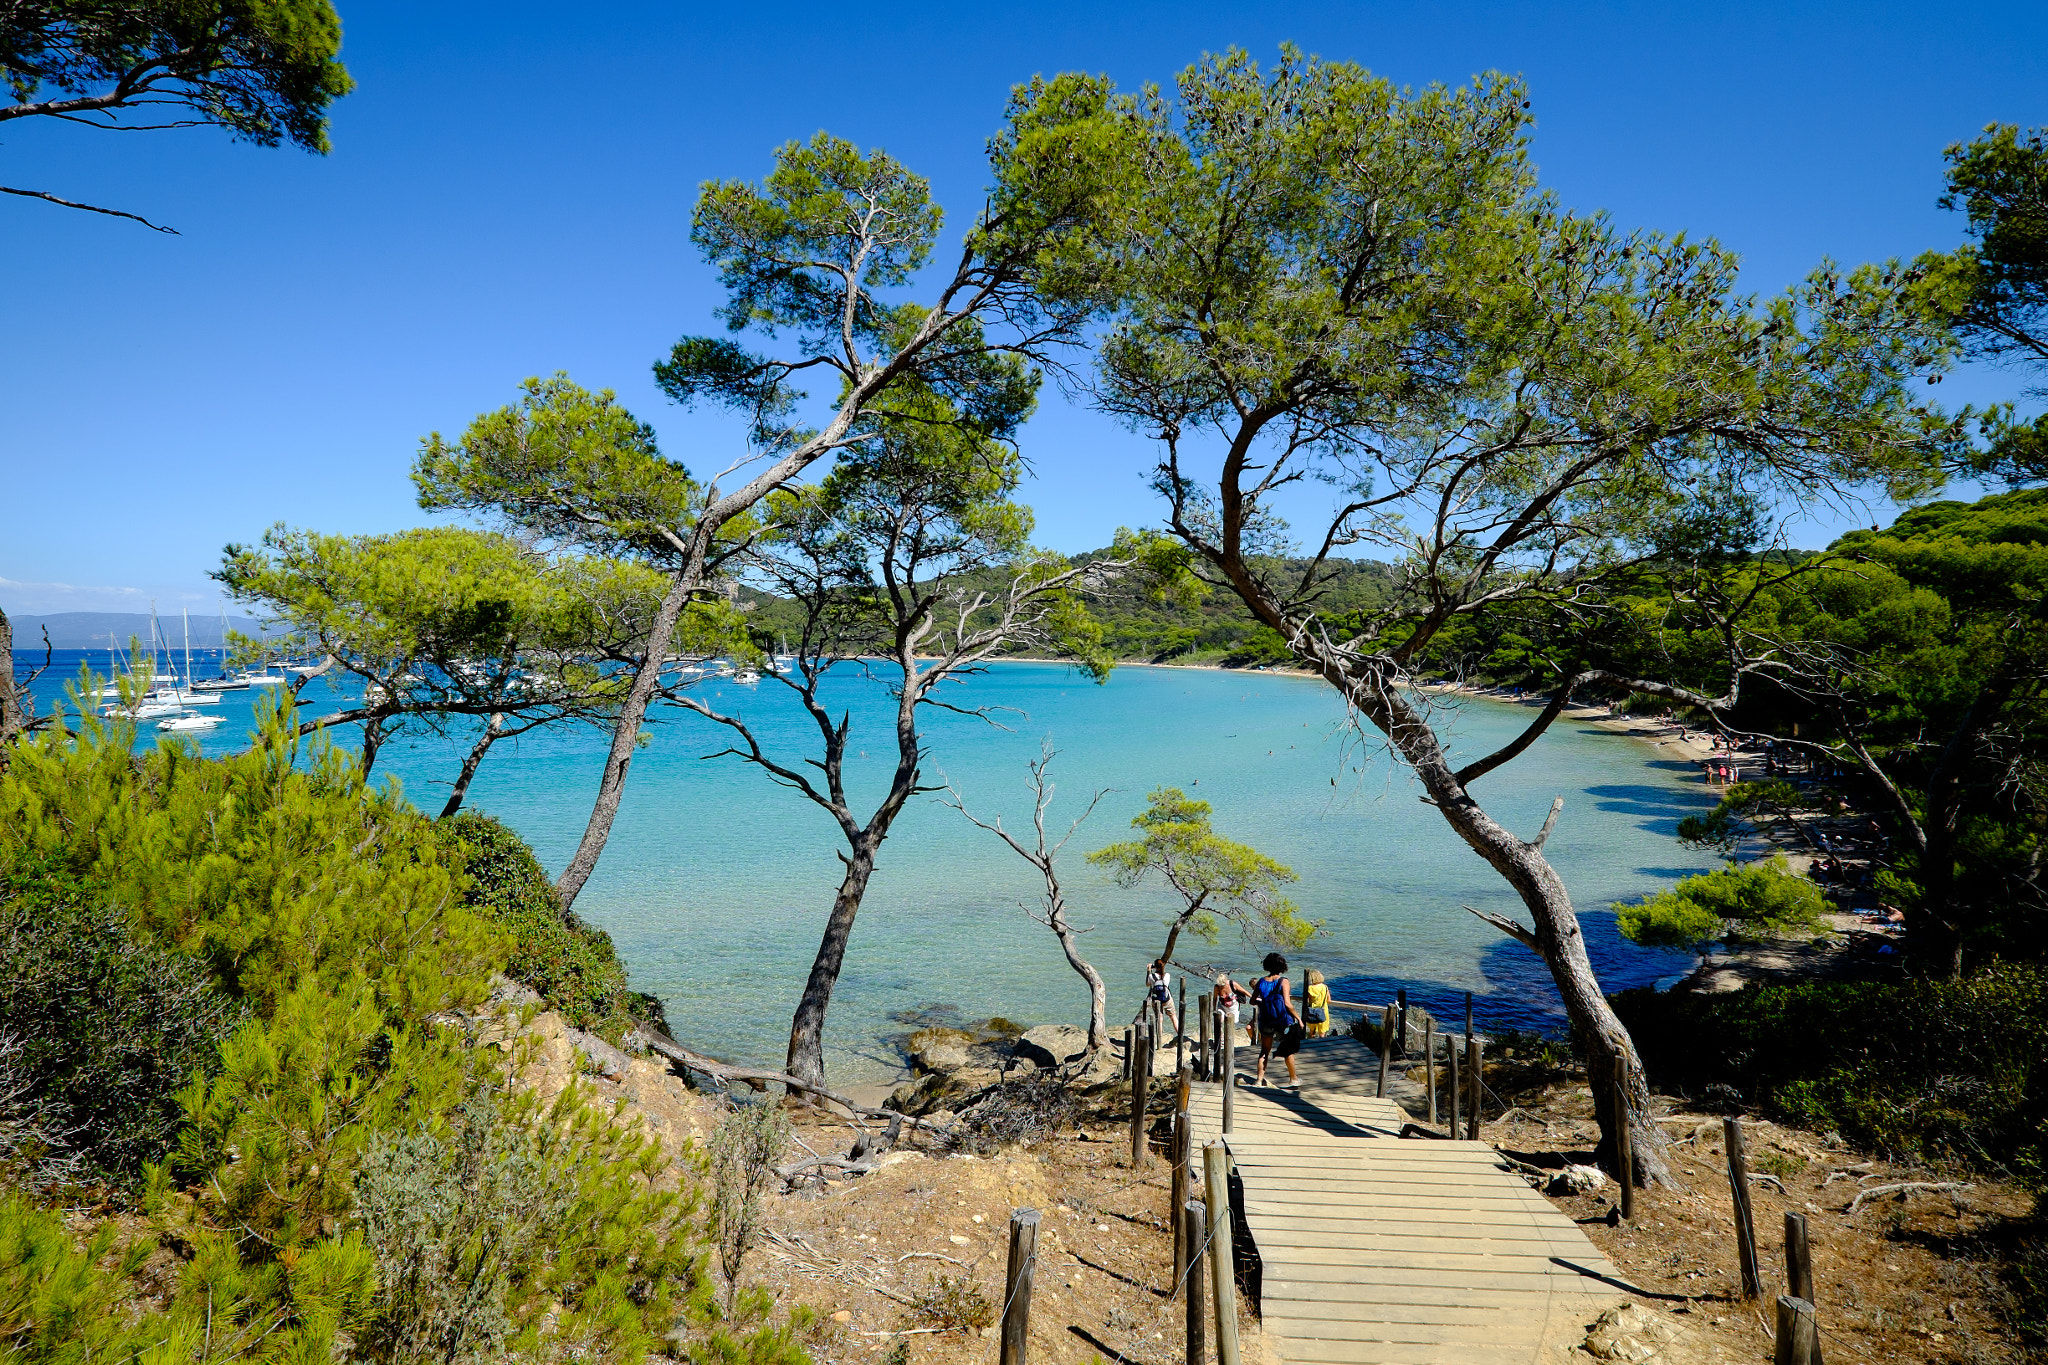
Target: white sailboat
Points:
(189, 721)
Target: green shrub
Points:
(1930, 1070)
(1762, 898)
(107, 1027)
(572, 965)
(953, 1304)
(326, 911)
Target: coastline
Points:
(1853, 948)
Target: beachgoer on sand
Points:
(1317, 1013)
(1280, 1026)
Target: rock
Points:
(598, 1055)
(941, 1058)
(1631, 1333)
(512, 994)
(939, 1049)
(1051, 1045)
(842, 1316)
(677, 1343)
(1576, 1180)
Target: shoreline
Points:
(1854, 948)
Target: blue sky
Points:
(510, 189)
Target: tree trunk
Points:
(373, 740)
(1173, 931)
(13, 711)
(1098, 995)
(469, 765)
(1610, 1053)
(807, 1029)
(626, 737)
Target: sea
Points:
(717, 880)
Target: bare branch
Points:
(89, 208)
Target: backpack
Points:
(1272, 1010)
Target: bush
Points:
(743, 1152)
(106, 1027)
(1932, 1070)
(955, 1305)
(326, 911)
(1762, 898)
(572, 965)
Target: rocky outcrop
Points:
(1051, 1045)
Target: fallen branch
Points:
(797, 1168)
(815, 1262)
(683, 1057)
(1908, 1187)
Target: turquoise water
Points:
(716, 882)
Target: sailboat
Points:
(223, 683)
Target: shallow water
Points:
(716, 882)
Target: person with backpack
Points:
(1280, 1026)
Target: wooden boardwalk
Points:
(1379, 1250)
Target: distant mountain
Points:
(93, 629)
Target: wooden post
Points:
(1476, 1085)
(1625, 1150)
(1401, 1026)
(1745, 1226)
(1207, 1027)
(1798, 1258)
(1386, 1046)
(1798, 1333)
(1799, 1272)
(1457, 1088)
(1017, 1286)
(1141, 1084)
(1222, 1265)
(1179, 1149)
(1194, 1218)
(1229, 1068)
(1130, 1033)
(1429, 1064)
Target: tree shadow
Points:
(1657, 810)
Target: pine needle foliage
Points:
(354, 1172)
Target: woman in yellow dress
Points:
(1318, 1002)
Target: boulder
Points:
(1051, 1045)
(939, 1050)
(941, 1058)
(1576, 1180)
(1631, 1333)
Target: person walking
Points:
(1280, 1027)
(1159, 990)
(1316, 1011)
(1230, 1002)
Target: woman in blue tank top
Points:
(1280, 1026)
